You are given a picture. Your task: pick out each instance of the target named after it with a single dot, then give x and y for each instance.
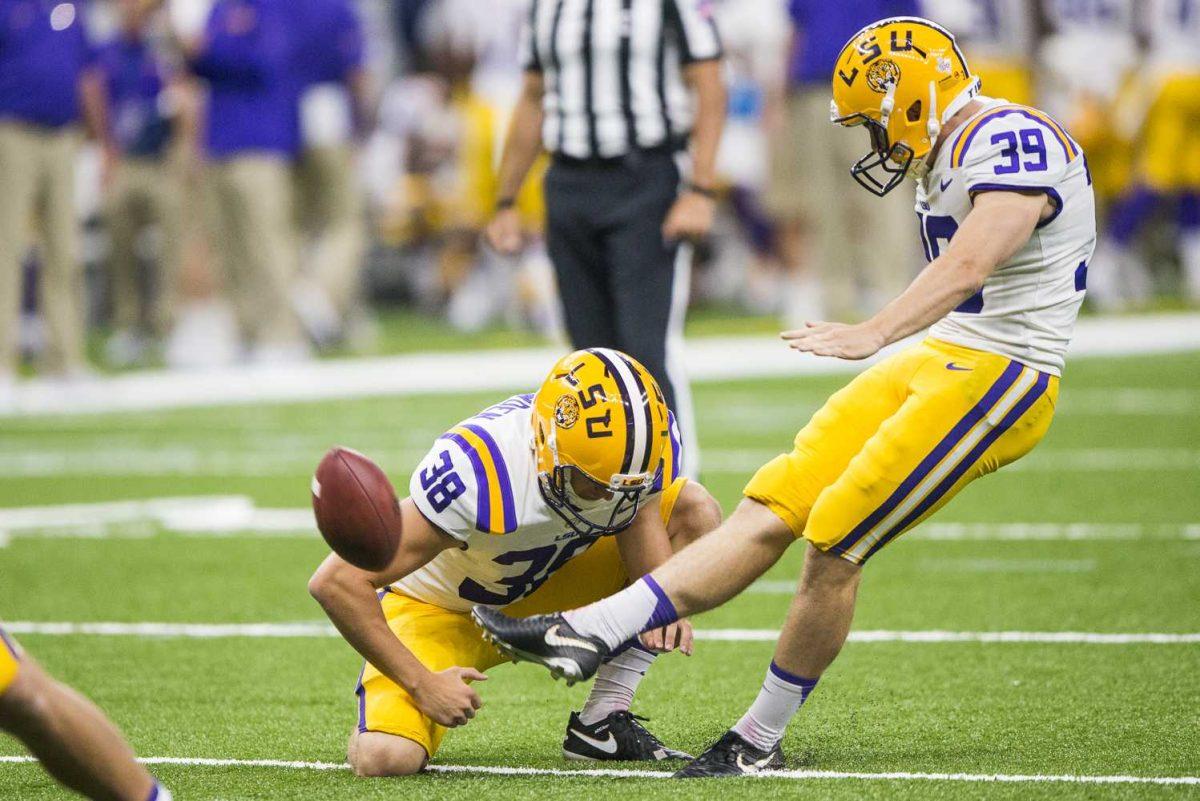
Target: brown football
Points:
(356, 507)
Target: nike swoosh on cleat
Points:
(608, 746)
(753, 767)
(552, 638)
(957, 368)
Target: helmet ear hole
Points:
(914, 112)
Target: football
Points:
(356, 508)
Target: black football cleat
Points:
(547, 640)
(732, 756)
(620, 736)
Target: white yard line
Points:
(1005, 565)
(310, 629)
(237, 515)
(611, 773)
(706, 359)
(184, 461)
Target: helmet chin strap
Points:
(888, 105)
(933, 125)
(964, 97)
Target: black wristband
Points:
(505, 203)
(706, 191)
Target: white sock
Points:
(640, 606)
(159, 793)
(781, 695)
(616, 682)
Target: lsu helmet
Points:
(902, 78)
(600, 427)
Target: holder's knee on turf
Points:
(373, 753)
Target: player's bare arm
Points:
(999, 224)
(522, 145)
(348, 596)
(644, 547)
(692, 215)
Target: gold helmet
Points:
(600, 426)
(902, 78)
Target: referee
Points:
(616, 90)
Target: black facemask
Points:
(884, 168)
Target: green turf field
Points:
(1122, 461)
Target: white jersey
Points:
(479, 484)
(1027, 307)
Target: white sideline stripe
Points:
(794, 775)
(705, 359)
(321, 629)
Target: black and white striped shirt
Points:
(613, 71)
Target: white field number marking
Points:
(793, 775)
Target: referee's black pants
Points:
(616, 276)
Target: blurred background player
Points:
(523, 506)
(152, 124)
(820, 233)
(48, 83)
(615, 93)
(1096, 99)
(999, 35)
(67, 733)
(247, 58)
(336, 110)
(1166, 161)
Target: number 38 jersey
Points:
(1027, 307)
(479, 484)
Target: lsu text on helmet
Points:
(902, 78)
(600, 426)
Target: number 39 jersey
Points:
(1027, 307)
(479, 484)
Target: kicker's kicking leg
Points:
(702, 576)
(605, 728)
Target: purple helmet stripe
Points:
(627, 460)
(637, 379)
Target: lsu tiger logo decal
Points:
(881, 74)
(566, 411)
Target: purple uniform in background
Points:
(824, 27)
(330, 41)
(135, 80)
(248, 59)
(44, 49)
